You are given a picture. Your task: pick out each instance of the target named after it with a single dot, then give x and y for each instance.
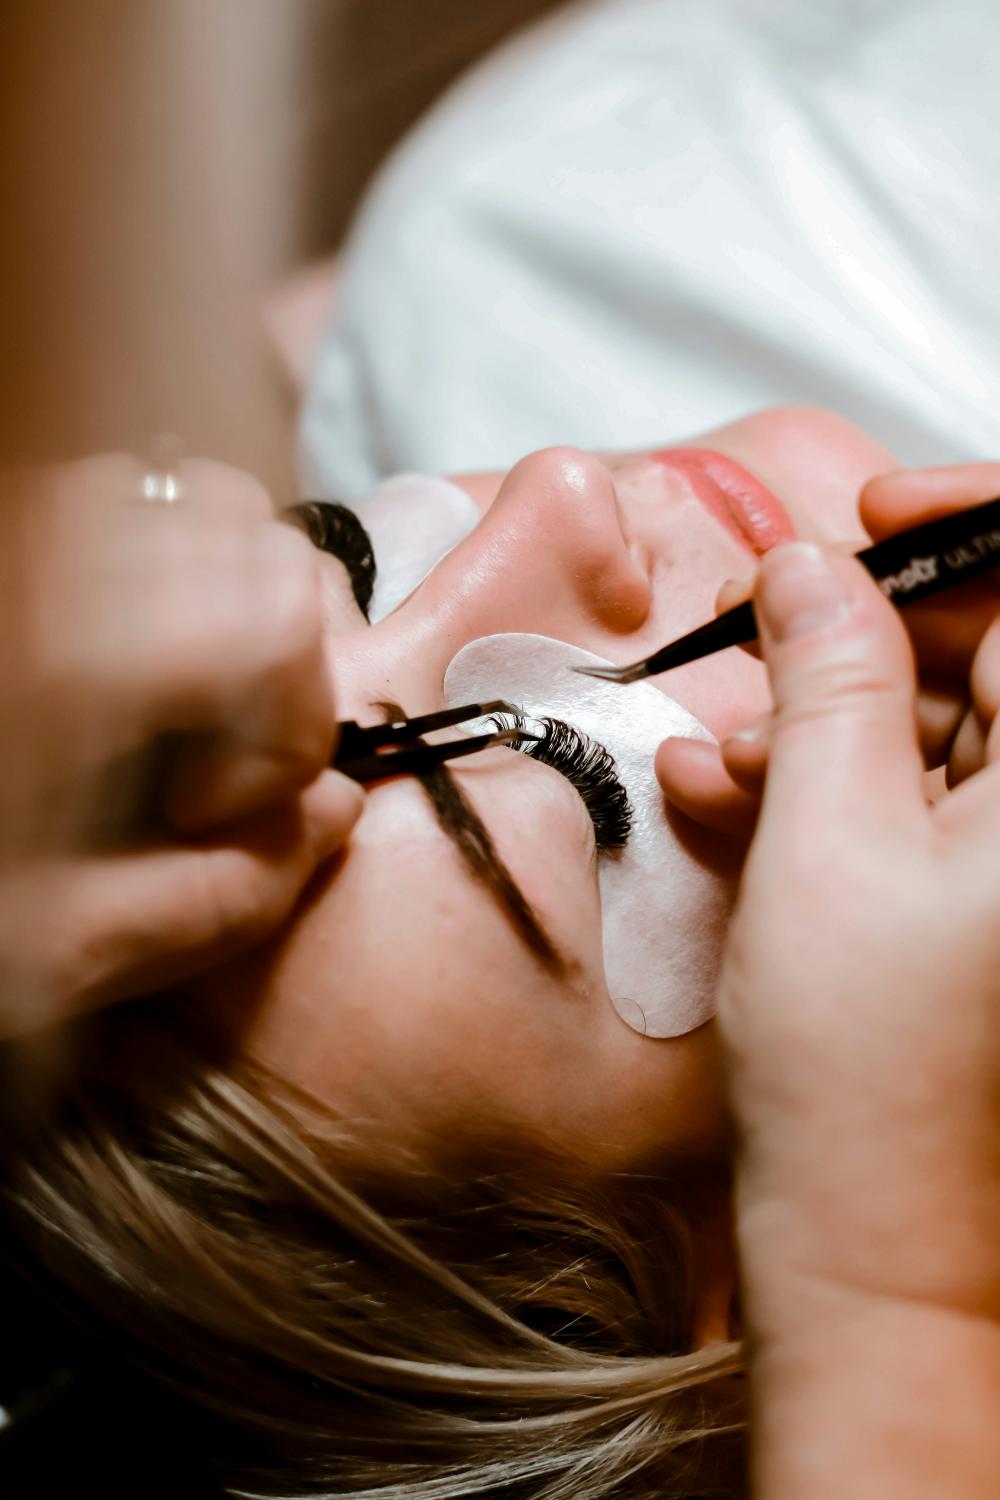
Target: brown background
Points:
(164, 165)
(375, 67)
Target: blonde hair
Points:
(356, 1323)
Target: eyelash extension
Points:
(590, 768)
(336, 529)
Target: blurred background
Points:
(168, 166)
(372, 68)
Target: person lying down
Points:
(429, 1198)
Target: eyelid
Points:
(591, 770)
(586, 822)
(502, 720)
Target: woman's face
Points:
(403, 992)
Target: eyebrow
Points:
(459, 820)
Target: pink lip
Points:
(735, 499)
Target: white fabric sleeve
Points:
(640, 219)
(413, 521)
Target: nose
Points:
(552, 553)
(552, 556)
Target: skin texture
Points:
(401, 993)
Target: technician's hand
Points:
(954, 634)
(859, 1004)
(167, 724)
(956, 703)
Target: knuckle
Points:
(848, 686)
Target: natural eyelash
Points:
(337, 530)
(590, 768)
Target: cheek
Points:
(535, 1064)
(693, 557)
(610, 1098)
(669, 1096)
(724, 691)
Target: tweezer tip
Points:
(614, 674)
(516, 737)
(497, 706)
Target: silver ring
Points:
(161, 487)
(161, 483)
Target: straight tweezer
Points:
(371, 752)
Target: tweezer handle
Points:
(937, 555)
(907, 567)
(733, 628)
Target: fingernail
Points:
(750, 734)
(799, 593)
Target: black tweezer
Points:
(909, 566)
(395, 749)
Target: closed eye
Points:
(590, 768)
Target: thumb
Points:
(843, 743)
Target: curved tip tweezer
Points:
(616, 674)
(733, 628)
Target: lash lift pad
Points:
(663, 914)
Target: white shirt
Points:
(646, 217)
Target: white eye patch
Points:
(663, 913)
(413, 520)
